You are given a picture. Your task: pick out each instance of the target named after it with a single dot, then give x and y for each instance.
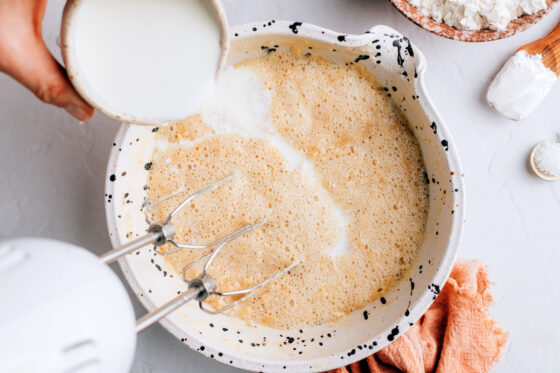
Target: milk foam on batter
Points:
(240, 105)
(326, 158)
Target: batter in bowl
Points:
(326, 158)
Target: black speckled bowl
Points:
(399, 66)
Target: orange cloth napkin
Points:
(454, 335)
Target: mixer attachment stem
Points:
(161, 233)
(198, 290)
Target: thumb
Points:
(26, 58)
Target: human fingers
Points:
(25, 57)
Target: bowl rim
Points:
(475, 36)
(443, 270)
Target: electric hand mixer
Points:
(64, 310)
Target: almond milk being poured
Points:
(144, 60)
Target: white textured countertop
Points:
(53, 176)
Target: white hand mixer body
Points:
(63, 310)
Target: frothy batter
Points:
(326, 158)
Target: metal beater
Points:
(203, 285)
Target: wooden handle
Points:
(549, 48)
(554, 35)
(551, 52)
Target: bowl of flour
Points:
(474, 20)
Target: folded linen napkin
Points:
(456, 334)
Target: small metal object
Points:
(202, 286)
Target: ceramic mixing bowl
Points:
(399, 67)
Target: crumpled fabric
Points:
(455, 335)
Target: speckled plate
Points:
(441, 29)
(399, 66)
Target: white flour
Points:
(520, 86)
(477, 14)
